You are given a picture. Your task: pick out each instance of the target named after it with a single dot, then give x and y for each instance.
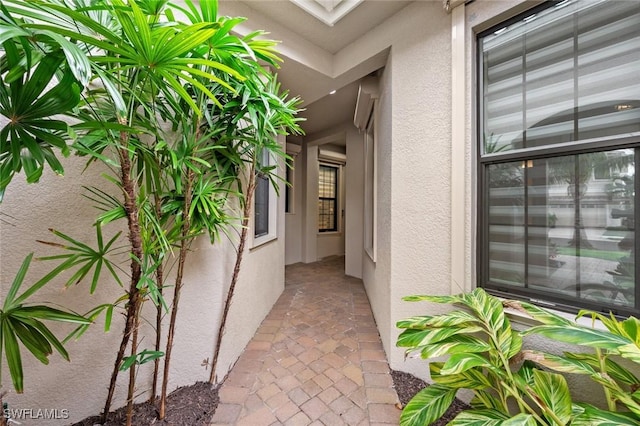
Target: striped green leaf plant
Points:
(484, 354)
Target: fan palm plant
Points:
(175, 110)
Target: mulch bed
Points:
(408, 385)
(194, 405)
(189, 405)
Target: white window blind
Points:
(568, 73)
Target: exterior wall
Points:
(354, 203)
(81, 385)
(310, 195)
(420, 171)
(293, 220)
(376, 276)
(330, 244)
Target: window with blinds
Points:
(559, 135)
(328, 198)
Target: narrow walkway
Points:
(316, 359)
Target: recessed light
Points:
(623, 107)
(332, 92)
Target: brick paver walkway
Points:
(316, 359)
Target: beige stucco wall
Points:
(376, 276)
(420, 171)
(354, 203)
(80, 386)
(293, 219)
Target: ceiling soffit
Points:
(327, 11)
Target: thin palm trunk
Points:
(159, 282)
(132, 369)
(184, 248)
(236, 271)
(135, 241)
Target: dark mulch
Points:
(408, 385)
(194, 405)
(189, 405)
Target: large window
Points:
(559, 138)
(328, 198)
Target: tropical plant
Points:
(175, 110)
(620, 340)
(510, 386)
(21, 324)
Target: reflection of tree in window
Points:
(328, 198)
(560, 105)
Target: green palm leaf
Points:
(21, 324)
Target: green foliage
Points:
(621, 339)
(140, 358)
(21, 325)
(512, 386)
(178, 112)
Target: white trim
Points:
(459, 280)
(326, 11)
(272, 233)
(339, 197)
(370, 216)
(368, 92)
(292, 151)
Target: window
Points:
(328, 198)
(559, 136)
(261, 223)
(264, 205)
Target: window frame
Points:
(574, 148)
(272, 209)
(336, 213)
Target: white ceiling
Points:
(310, 47)
(362, 18)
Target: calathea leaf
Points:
(588, 415)
(491, 418)
(461, 362)
(455, 318)
(613, 369)
(469, 379)
(427, 406)
(411, 338)
(453, 345)
(552, 390)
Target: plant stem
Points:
(135, 241)
(132, 369)
(526, 407)
(611, 404)
(184, 248)
(159, 283)
(236, 270)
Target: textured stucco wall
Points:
(293, 220)
(420, 194)
(376, 275)
(354, 208)
(80, 386)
